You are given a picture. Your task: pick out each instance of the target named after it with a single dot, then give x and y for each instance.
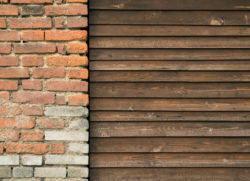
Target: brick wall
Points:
(43, 90)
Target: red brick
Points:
(1, 149)
(77, 73)
(31, 1)
(8, 10)
(37, 149)
(78, 100)
(75, 9)
(9, 61)
(60, 22)
(62, 35)
(3, 111)
(9, 135)
(76, 1)
(77, 48)
(50, 123)
(34, 48)
(9, 35)
(2, 23)
(5, 48)
(14, 73)
(67, 61)
(57, 148)
(32, 10)
(32, 60)
(33, 97)
(26, 23)
(8, 84)
(61, 49)
(60, 100)
(17, 123)
(48, 72)
(32, 84)
(33, 35)
(26, 123)
(32, 110)
(77, 22)
(4, 1)
(4, 96)
(32, 136)
(77, 86)
(11, 110)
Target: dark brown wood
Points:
(161, 145)
(214, 18)
(167, 174)
(169, 129)
(170, 4)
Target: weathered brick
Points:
(77, 22)
(76, 86)
(9, 35)
(10, 110)
(68, 10)
(78, 172)
(48, 73)
(5, 172)
(5, 48)
(78, 100)
(50, 172)
(66, 135)
(76, 73)
(8, 84)
(34, 48)
(33, 35)
(67, 61)
(37, 149)
(9, 160)
(32, 10)
(63, 35)
(79, 123)
(32, 136)
(4, 1)
(27, 23)
(32, 84)
(33, 97)
(30, 160)
(1, 152)
(77, 48)
(31, 1)
(2, 23)
(60, 100)
(57, 148)
(50, 123)
(8, 10)
(60, 22)
(32, 110)
(23, 172)
(9, 135)
(4, 96)
(78, 148)
(61, 48)
(9, 61)
(76, 1)
(32, 60)
(66, 160)
(14, 73)
(16, 122)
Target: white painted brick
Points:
(31, 160)
(67, 135)
(66, 111)
(9, 160)
(78, 147)
(55, 172)
(79, 124)
(22, 179)
(66, 160)
(78, 172)
(71, 179)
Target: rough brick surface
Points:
(43, 90)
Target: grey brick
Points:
(79, 124)
(9, 160)
(66, 111)
(78, 147)
(55, 172)
(71, 179)
(66, 160)
(77, 172)
(32, 10)
(5, 172)
(31, 160)
(22, 179)
(22, 172)
(67, 135)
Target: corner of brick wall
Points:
(43, 90)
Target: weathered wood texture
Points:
(169, 90)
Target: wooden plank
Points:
(165, 76)
(170, 104)
(169, 17)
(169, 54)
(170, 174)
(161, 145)
(169, 42)
(171, 65)
(170, 90)
(168, 116)
(170, 5)
(169, 129)
(169, 160)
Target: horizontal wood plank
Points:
(169, 160)
(170, 5)
(169, 129)
(167, 174)
(169, 17)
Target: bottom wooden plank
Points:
(170, 174)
